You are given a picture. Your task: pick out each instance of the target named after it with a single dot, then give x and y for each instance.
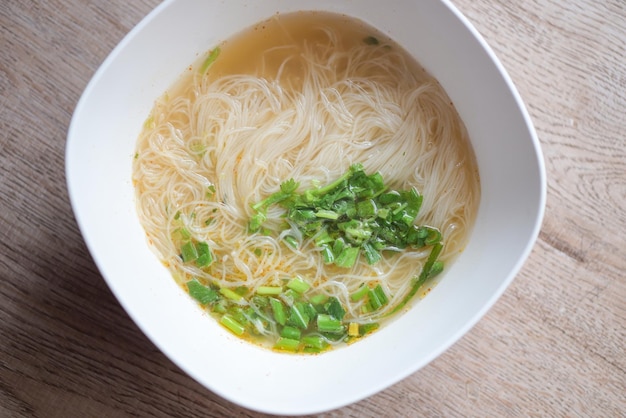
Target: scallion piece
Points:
(424, 275)
(328, 323)
(323, 238)
(188, 252)
(298, 285)
(318, 299)
(291, 333)
(279, 311)
(231, 324)
(367, 328)
(433, 237)
(333, 307)
(298, 316)
(201, 293)
(327, 254)
(372, 255)
(314, 341)
(352, 213)
(210, 59)
(348, 257)
(366, 208)
(436, 269)
(183, 232)
(327, 214)
(269, 290)
(255, 222)
(230, 294)
(374, 301)
(205, 258)
(291, 241)
(380, 294)
(360, 293)
(219, 307)
(286, 344)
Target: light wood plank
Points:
(553, 345)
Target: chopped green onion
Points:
(436, 269)
(328, 323)
(338, 246)
(210, 59)
(310, 310)
(291, 241)
(424, 275)
(298, 316)
(201, 293)
(372, 256)
(352, 213)
(366, 208)
(291, 333)
(205, 257)
(241, 290)
(231, 324)
(318, 299)
(359, 294)
(433, 237)
(382, 213)
(289, 296)
(189, 252)
(256, 221)
(367, 328)
(230, 294)
(279, 311)
(323, 238)
(333, 307)
(374, 302)
(380, 294)
(348, 257)
(377, 298)
(287, 344)
(298, 285)
(326, 214)
(327, 254)
(269, 290)
(314, 341)
(260, 301)
(389, 197)
(219, 307)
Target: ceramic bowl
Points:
(100, 147)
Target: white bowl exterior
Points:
(101, 144)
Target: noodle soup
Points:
(300, 105)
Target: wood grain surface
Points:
(553, 345)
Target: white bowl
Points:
(100, 147)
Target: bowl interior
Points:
(100, 147)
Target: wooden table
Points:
(553, 345)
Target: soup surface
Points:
(305, 180)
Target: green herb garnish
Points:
(195, 251)
(354, 215)
(431, 268)
(210, 59)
